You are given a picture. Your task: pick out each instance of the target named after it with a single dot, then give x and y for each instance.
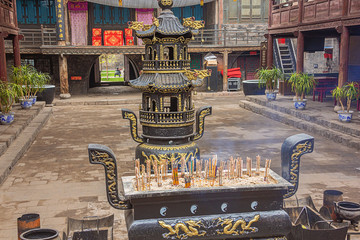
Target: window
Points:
(236, 11)
(170, 104)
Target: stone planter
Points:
(345, 116)
(300, 105)
(47, 95)
(26, 103)
(6, 118)
(251, 87)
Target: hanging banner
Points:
(60, 20)
(146, 3)
(263, 54)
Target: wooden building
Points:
(310, 21)
(8, 31)
(65, 38)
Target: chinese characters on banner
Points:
(263, 54)
(60, 22)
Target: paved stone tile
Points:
(55, 179)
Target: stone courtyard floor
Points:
(55, 179)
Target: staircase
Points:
(285, 57)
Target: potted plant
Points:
(8, 94)
(348, 92)
(38, 82)
(269, 78)
(24, 76)
(301, 84)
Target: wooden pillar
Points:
(300, 52)
(16, 48)
(344, 56)
(301, 10)
(225, 73)
(64, 77)
(270, 13)
(270, 51)
(3, 74)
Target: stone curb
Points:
(310, 127)
(336, 126)
(74, 102)
(22, 143)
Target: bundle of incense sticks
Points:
(198, 168)
(187, 179)
(183, 166)
(248, 166)
(137, 179)
(258, 159)
(175, 176)
(267, 167)
(221, 172)
(239, 166)
(192, 166)
(148, 174)
(142, 177)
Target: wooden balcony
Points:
(306, 15)
(8, 21)
(167, 117)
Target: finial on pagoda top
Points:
(165, 4)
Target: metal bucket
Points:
(27, 222)
(40, 234)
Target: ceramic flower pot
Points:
(26, 103)
(271, 96)
(300, 105)
(6, 118)
(345, 116)
(34, 98)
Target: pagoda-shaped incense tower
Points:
(167, 113)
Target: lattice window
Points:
(6, 3)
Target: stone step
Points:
(311, 116)
(22, 137)
(311, 125)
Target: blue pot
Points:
(26, 103)
(7, 118)
(345, 116)
(271, 96)
(34, 98)
(300, 105)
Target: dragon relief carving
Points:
(182, 230)
(192, 23)
(231, 228)
(195, 74)
(133, 122)
(298, 151)
(136, 25)
(100, 156)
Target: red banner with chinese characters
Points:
(113, 38)
(96, 41)
(77, 6)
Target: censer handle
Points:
(291, 151)
(200, 124)
(100, 154)
(128, 114)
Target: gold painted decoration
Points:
(294, 166)
(183, 230)
(156, 22)
(192, 23)
(197, 74)
(167, 2)
(201, 122)
(146, 27)
(136, 25)
(146, 41)
(232, 228)
(99, 156)
(133, 122)
(168, 148)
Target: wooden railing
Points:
(295, 12)
(166, 64)
(34, 38)
(228, 37)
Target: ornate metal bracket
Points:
(192, 23)
(291, 151)
(128, 114)
(200, 118)
(136, 25)
(99, 154)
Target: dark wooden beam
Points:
(3, 74)
(16, 49)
